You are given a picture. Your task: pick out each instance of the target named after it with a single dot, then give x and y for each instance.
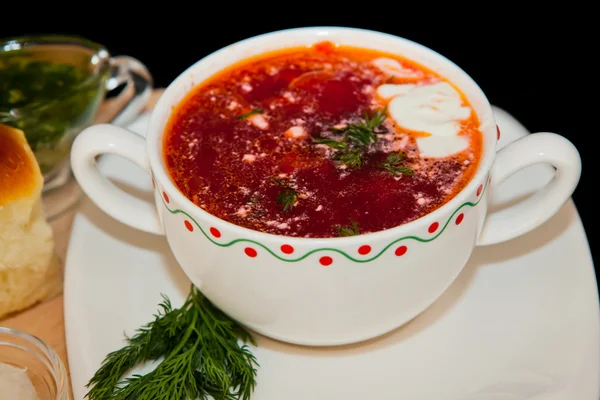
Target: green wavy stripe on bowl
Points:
(329, 249)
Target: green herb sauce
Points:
(50, 101)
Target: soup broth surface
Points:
(322, 141)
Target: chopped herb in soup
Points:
(325, 141)
(49, 101)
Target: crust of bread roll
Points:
(29, 269)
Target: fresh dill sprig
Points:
(363, 133)
(348, 230)
(254, 202)
(394, 163)
(357, 138)
(351, 158)
(334, 144)
(287, 196)
(251, 113)
(253, 199)
(201, 357)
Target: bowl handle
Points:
(525, 216)
(104, 139)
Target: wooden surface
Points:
(46, 320)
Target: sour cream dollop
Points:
(436, 109)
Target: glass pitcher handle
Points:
(138, 83)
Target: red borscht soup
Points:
(322, 141)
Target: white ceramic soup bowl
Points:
(336, 290)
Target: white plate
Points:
(520, 322)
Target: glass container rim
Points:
(53, 362)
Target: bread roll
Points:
(29, 270)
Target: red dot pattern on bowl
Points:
(287, 249)
(400, 251)
(326, 261)
(433, 227)
(460, 218)
(364, 250)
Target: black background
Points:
(536, 65)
